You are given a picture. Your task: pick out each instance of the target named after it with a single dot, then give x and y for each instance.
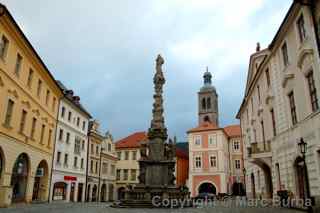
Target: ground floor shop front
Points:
(68, 187)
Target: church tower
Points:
(208, 101)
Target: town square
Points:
(160, 106)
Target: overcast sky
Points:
(105, 51)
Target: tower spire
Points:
(207, 77)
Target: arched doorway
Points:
(301, 178)
(238, 189)
(207, 188)
(94, 193)
(59, 191)
(110, 192)
(19, 178)
(40, 185)
(121, 193)
(103, 193)
(80, 192)
(253, 186)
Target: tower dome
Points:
(207, 85)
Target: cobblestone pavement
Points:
(105, 208)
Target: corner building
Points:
(29, 99)
(215, 153)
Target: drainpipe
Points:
(87, 166)
(54, 150)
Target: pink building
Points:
(215, 153)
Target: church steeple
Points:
(208, 101)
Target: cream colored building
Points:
(127, 167)
(281, 107)
(29, 99)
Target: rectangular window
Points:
(197, 140)
(213, 161)
(236, 145)
(273, 122)
(60, 134)
(75, 162)
(49, 138)
(109, 147)
(77, 144)
(118, 174)
(113, 168)
(134, 155)
(63, 111)
(97, 150)
(39, 88)
(268, 77)
(23, 121)
(78, 121)
(237, 164)
(301, 28)
(125, 174)
(30, 77)
(92, 150)
(104, 168)
(91, 166)
(69, 116)
(66, 159)
(96, 171)
(198, 162)
(83, 144)
(58, 157)
(312, 92)
(47, 97)
(43, 128)
(82, 163)
(126, 155)
(119, 155)
(252, 105)
(212, 140)
(292, 105)
(4, 47)
(18, 64)
(133, 175)
(33, 127)
(262, 131)
(68, 137)
(83, 125)
(54, 100)
(9, 112)
(285, 56)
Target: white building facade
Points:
(70, 155)
(281, 108)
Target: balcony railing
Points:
(258, 148)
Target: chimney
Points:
(258, 47)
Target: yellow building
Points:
(29, 98)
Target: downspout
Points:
(54, 150)
(86, 189)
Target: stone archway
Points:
(103, 193)
(268, 193)
(207, 187)
(121, 193)
(40, 185)
(2, 164)
(238, 189)
(59, 191)
(94, 193)
(19, 178)
(110, 192)
(301, 178)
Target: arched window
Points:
(203, 103)
(208, 103)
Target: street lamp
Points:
(303, 150)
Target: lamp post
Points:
(303, 150)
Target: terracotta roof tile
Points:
(204, 127)
(132, 141)
(233, 130)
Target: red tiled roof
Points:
(233, 130)
(204, 127)
(132, 141)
